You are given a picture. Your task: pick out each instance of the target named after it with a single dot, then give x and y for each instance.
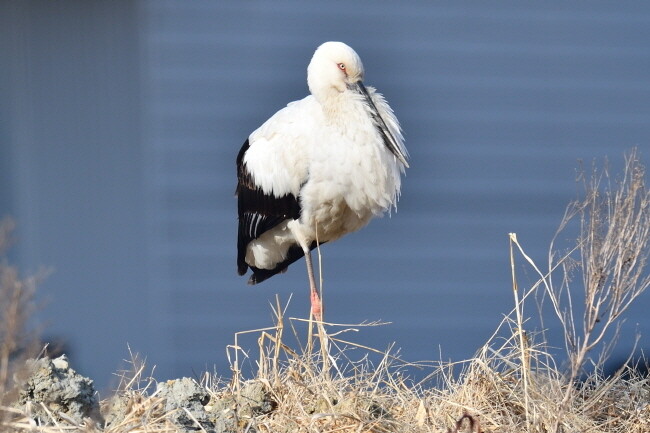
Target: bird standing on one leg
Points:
(318, 169)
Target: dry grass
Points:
(513, 384)
(17, 341)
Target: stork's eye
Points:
(342, 66)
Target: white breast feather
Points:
(352, 163)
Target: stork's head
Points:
(334, 68)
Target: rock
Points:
(191, 408)
(120, 406)
(182, 396)
(65, 393)
(222, 412)
(255, 400)
(234, 412)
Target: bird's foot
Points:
(316, 306)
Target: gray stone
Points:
(65, 393)
(255, 400)
(182, 396)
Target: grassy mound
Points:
(325, 383)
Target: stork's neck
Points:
(327, 95)
(336, 105)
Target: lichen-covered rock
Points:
(65, 393)
(184, 402)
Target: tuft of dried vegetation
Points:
(513, 383)
(18, 341)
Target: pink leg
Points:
(316, 304)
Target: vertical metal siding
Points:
(498, 102)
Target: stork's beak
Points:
(389, 139)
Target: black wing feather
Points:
(259, 212)
(295, 253)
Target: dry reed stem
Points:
(523, 346)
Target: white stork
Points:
(318, 169)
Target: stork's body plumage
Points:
(318, 169)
